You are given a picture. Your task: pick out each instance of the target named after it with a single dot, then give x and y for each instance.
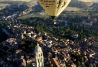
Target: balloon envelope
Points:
(54, 7)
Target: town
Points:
(69, 43)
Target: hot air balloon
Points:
(54, 7)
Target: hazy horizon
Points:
(88, 0)
(72, 0)
(16, 0)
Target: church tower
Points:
(39, 56)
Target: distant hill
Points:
(80, 4)
(27, 7)
(94, 7)
(14, 6)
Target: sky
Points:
(89, 0)
(16, 0)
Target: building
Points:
(39, 56)
(54, 63)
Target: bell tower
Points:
(39, 56)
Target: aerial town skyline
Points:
(60, 33)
